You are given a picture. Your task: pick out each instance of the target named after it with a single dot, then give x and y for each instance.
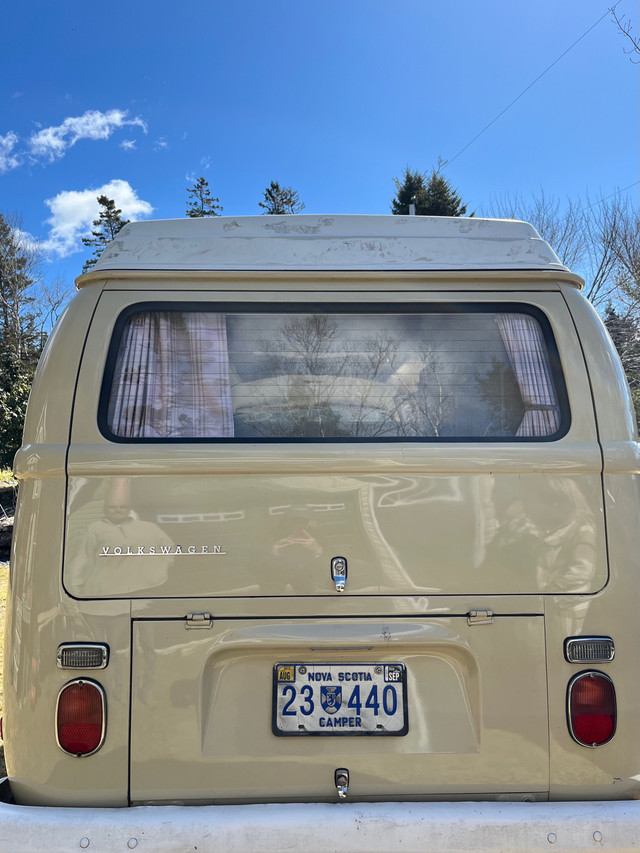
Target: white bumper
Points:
(326, 828)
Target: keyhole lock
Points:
(339, 572)
(342, 782)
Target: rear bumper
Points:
(320, 828)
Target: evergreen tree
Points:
(280, 200)
(442, 199)
(21, 339)
(13, 408)
(434, 197)
(410, 190)
(107, 225)
(201, 202)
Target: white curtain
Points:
(525, 347)
(171, 378)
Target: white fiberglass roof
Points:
(341, 242)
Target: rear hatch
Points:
(371, 604)
(203, 709)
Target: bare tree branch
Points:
(632, 48)
(598, 240)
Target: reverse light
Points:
(591, 708)
(82, 656)
(81, 717)
(589, 650)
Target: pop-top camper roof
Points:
(341, 242)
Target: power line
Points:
(617, 192)
(524, 91)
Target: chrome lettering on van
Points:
(162, 551)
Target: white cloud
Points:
(8, 160)
(161, 143)
(128, 144)
(73, 212)
(51, 143)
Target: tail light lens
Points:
(81, 717)
(591, 708)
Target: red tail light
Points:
(80, 717)
(591, 708)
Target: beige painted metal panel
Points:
(51, 400)
(201, 705)
(410, 518)
(612, 398)
(40, 616)
(251, 535)
(338, 606)
(611, 771)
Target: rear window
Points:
(226, 373)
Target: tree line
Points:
(415, 194)
(277, 200)
(599, 239)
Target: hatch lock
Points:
(339, 572)
(341, 777)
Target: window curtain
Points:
(527, 353)
(172, 377)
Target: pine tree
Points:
(20, 342)
(434, 197)
(280, 200)
(441, 199)
(201, 202)
(410, 190)
(21, 339)
(107, 225)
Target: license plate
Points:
(339, 699)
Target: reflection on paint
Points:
(404, 535)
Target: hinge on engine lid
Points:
(480, 617)
(198, 620)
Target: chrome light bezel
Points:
(573, 642)
(103, 648)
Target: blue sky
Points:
(334, 99)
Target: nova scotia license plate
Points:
(339, 699)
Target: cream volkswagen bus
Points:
(327, 540)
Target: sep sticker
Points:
(286, 673)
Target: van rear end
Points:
(327, 526)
